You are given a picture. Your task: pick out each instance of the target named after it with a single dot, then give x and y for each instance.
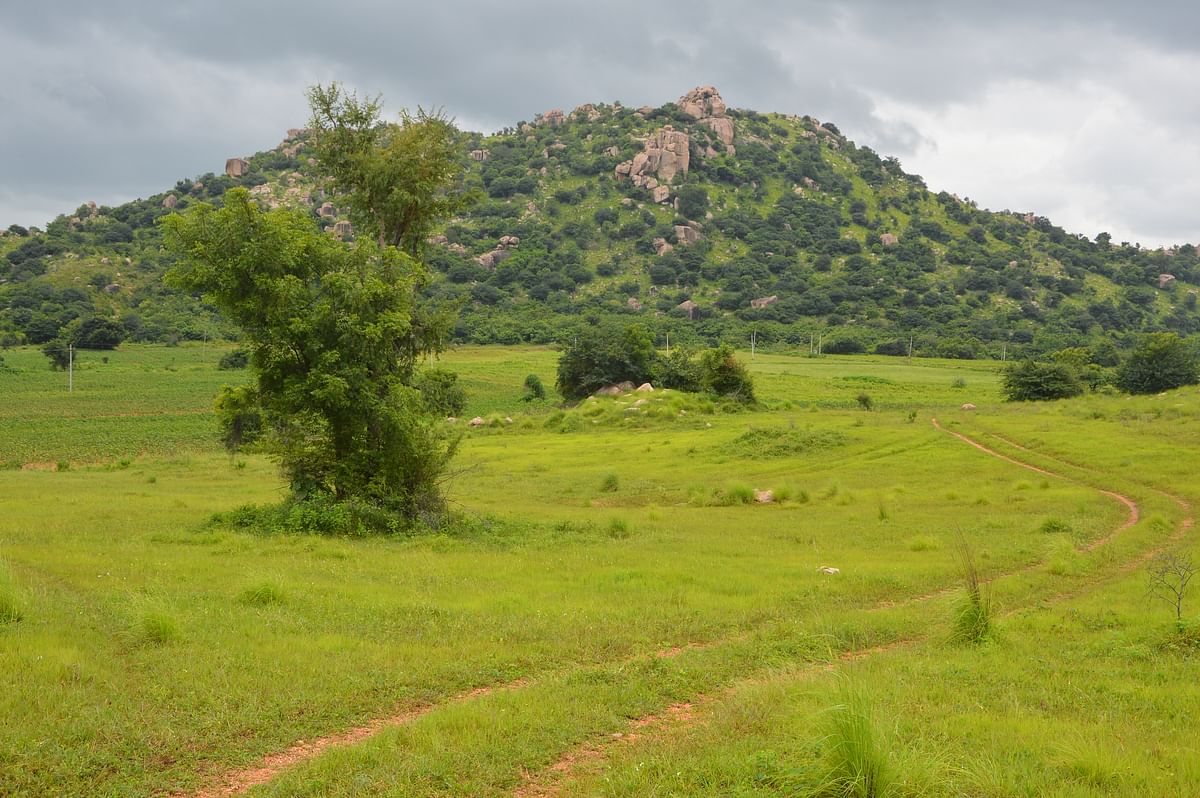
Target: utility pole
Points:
(70, 368)
(668, 343)
(1004, 352)
(810, 345)
(910, 343)
(753, 341)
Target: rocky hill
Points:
(699, 220)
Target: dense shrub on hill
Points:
(1159, 362)
(1031, 381)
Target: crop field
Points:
(614, 613)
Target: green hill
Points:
(701, 221)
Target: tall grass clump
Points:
(154, 628)
(736, 493)
(610, 483)
(972, 621)
(11, 600)
(263, 594)
(856, 762)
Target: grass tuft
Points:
(972, 622)
(155, 628)
(857, 763)
(610, 484)
(11, 600)
(264, 594)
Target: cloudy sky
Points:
(1085, 112)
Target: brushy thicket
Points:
(765, 443)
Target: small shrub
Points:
(63, 465)
(610, 483)
(736, 493)
(723, 374)
(618, 528)
(923, 543)
(533, 388)
(856, 763)
(864, 401)
(235, 359)
(1055, 526)
(1032, 381)
(441, 393)
(958, 382)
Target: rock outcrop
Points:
(480, 155)
(764, 302)
(686, 235)
(1165, 279)
(665, 155)
(170, 201)
(553, 118)
(689, 307)
(705, 105)
(236, 167)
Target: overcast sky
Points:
(1086, 112)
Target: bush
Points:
(723, 374)
(441, 392)
(1033, 381)
(1160, 361)
(603, 355)
(98, 333)
(678, 370)
(236, 359)
(610, 484)
(533, 388)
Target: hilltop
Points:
(700, 220)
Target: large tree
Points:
(336, 331)
(1159, 362)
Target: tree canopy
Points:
(1159, 362)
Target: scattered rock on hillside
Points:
(170, 201)
(967, 406)
(687, 235)
(645, 387)
(477, 422)
(661, 194)
(661, 247)
(510, 242)
(634, 303)
(889, 239)
(764, 496)
(704, 104)
(689, 306)
(608, 390)
(1165, 279)
(236, 167)
(343, 229)
(763, 302)
(480, 155)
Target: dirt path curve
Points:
(547, 783)
(544, 783)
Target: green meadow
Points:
(613, 613)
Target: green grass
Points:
(156, 649)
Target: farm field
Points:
(614, 615)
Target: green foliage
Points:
(610, 483)
(336, 335)
(864, 401)
(1159, 362)
(603, 355)
(239, 416)
(263, 594)
(693, 201)
(972, 620)
(678, 370)
(1033, 381)
(98, 332)
(723, 374)
(398, 180)
(234, 359)
(58, 352)
(441, 392)
(534, 390)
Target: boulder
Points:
(1165, 279)
(625, 386)
(112, 288)
(613, 152)
(686, 235)
(645, 387)
(480, 155)
(661, 247)
(702, 101)
(608, 390)
(665, 154)
(553, 118)
(967, 406)
(170, 201)
(828, 569)
(434, 240)
(477, 422)
(764, 496)
(587, 111)
(634, 303)
(661, 194)
(236, 167)
(343, 228)
(690, 307)
(510, 242)
(763, 302)
(490, 260)
(889, 239)
(722, 126)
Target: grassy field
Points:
(612, 617)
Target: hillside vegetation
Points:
(705, 222)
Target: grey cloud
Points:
(121, 99)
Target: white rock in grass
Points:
(764, 496)
(829, 569)
(477, 422)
